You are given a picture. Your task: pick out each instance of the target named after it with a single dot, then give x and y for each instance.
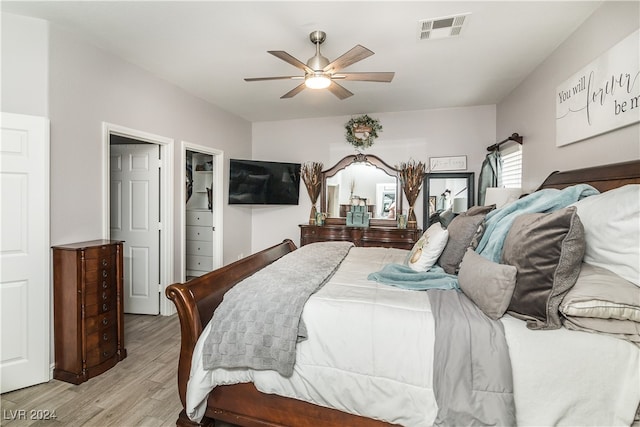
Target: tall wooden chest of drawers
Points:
(88, 309)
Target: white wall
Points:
(415, 134)
(89, 86)
(25, 66)
(49, 71)
(530, 108)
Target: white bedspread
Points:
(370, 352)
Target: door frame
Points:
(166, 201)
(218, 200)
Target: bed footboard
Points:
(197, 299)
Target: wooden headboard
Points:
(603, 178)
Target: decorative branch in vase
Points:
(411, 176)
(311, 173)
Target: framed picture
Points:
(432, 203)
(451, 163)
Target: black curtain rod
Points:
(514, 137)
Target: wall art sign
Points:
(601, 97)
(454, 163)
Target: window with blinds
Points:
(511, 165)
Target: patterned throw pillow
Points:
(428, 248)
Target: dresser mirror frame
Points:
(355, 160)
(432, 190)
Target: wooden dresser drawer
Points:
(389, 237)
(199, 217)
(100, 270)
(100, 252)
(101, 345)
(100, 308)
(195, 232)
(106, 320)
(199, 263)
(97, 295)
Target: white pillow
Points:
(612, 230)
(428, 248)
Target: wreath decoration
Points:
(362, 131)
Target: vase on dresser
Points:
(411, 176)
(311, 173)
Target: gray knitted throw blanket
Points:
(258, 323)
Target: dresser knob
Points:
(104, 284)
(105, 354)
(104, 262)
(105, 307)
(104, 273)
(105, 321)
(104, 296)
(105, 337)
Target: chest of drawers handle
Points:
(104, 296)
(105, 337)
(104, 273)
(105, 307)
(104, 262)
(104, 284)
(105, 321)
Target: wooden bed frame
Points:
(243, 404)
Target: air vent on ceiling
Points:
(443, 27)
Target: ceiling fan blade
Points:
(293, 92)
(339, 91)
(365, 77)
(291, 60)
(356, 54)
(258, 79)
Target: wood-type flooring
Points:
(141, 390)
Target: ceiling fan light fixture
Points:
(317, 81)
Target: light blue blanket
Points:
(403, 276)
(497, 225)
(498, 222)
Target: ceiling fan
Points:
(319, 73)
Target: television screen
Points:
(253, 182)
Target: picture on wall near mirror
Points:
(446, 195)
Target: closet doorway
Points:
(138, 200)
(202, 240)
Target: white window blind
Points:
(511, 165)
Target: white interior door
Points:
(135, 218)
(24, 251)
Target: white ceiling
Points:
(208, 47)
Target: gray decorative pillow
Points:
(479, 210)
(488, 284)
(547, 249)
(461, 231)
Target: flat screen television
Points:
(255, 182)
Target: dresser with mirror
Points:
(364, 180)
